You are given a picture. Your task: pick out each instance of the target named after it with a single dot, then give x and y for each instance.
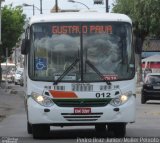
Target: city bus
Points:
(79, 70)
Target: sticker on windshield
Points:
(110, 77)
(40, 64)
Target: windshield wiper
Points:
(66, 71)
(97, 72)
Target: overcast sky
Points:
(49, 4)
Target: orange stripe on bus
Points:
(63, 94)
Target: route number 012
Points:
(103, 95)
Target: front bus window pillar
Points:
(81, 55)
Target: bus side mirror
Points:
(25, 46)
(138, 45)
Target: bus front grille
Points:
(81, 102)
(81, 117)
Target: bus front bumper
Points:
(55, 115)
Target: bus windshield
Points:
(103, 48)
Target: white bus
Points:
(79, 70)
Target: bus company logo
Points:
(81, 102)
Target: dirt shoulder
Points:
(11, 102)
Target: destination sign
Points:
(76, 29)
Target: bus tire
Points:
(118, 129)
(100, 127)
(40, 131)
(29, 128)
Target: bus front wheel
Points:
(40, 131)
(100, 127)
(118, 129)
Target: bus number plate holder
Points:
(82, 110)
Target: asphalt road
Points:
(13, 128)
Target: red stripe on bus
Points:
(63, 94)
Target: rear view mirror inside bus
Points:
(24, 46)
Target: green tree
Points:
(144, 14)
(13, 20)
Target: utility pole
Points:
(0, 43)
(101, 2)
(15, 52)
(0, 24)
(40, 6)
(25, 4)
(33, 10)
(0, 20)
(107, 6)
(56, 4)
(6, 68)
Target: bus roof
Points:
(80, 16)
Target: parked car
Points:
(17, 76)
(6, 76)
(151, 88)
(8, 70)
(146, 71)
(12, 75)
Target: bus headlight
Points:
(121, 99)
(42, 100)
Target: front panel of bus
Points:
(81, 68)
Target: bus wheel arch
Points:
(29, 128)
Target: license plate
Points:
(156, 87)
(82, 110)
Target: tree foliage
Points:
(144, 14)
(13, 20)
